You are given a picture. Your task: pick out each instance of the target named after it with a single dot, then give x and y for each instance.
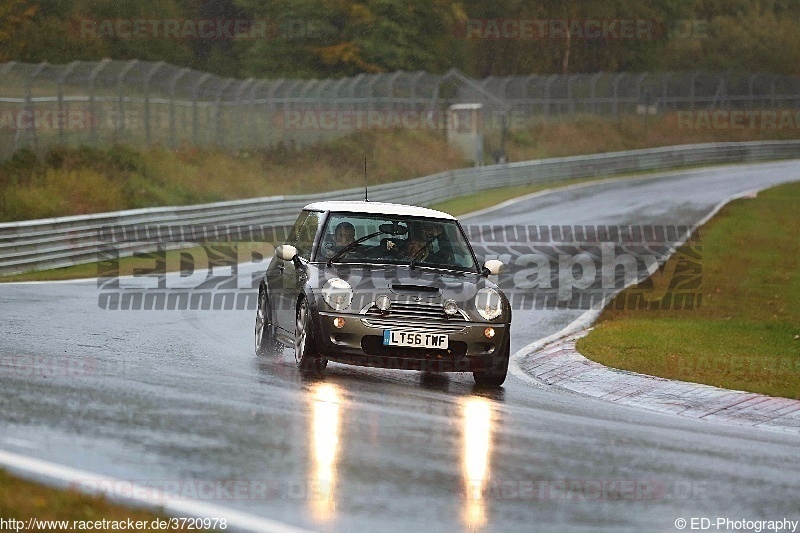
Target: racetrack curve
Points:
(177, 400)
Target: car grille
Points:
(423, 317)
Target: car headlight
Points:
(489, 303)
(337, 294)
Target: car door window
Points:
(303, 233)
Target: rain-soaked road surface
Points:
(176, 400)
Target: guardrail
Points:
(64, 241)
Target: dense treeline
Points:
(304, 38)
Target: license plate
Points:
(392, 337)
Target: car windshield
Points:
(393, 239)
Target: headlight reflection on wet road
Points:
(324, 448)
(475, 460)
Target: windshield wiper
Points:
(351, 247)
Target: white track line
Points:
(126, 492)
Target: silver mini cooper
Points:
(384, 285)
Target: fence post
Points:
(570, 99)
(218, 110)
(664, 88)
(547, 84)
(149, 76)
(413, 90)
(121, 97)
(173, 135)
(253, 115)
(593, 91)
(272, 107)
(240, 105)
(615, 103)
(692, 79)
(195, 95)
(392, 79)
(29, 110)
(92, 107)
(61, 114)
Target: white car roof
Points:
(381, 208)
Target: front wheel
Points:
(495, 375)
(305, 347)
(265, 341)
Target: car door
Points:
(288, 279)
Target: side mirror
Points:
(493, 267)
(285, 252)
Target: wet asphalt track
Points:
(177, 400)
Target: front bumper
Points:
(360, 341)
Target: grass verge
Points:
(21, 499)
(746, 333)
(74, 181)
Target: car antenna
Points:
(366, 195)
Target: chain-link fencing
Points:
(154, 103)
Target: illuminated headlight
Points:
(337, 293)
(450, 308)
(489, 303)
(383, 303)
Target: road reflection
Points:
(477, 436)
(325, 404)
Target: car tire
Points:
(265, 341)
(496, 374)
(305, 347)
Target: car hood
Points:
(400, 282)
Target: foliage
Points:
(346, 37)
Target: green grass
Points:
(746, 333)
(21, 499)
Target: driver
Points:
(343, 235)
